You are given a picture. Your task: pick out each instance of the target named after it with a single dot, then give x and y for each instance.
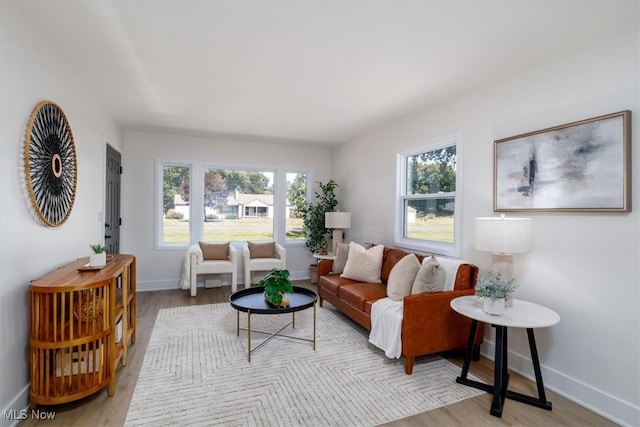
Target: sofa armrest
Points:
(281, 253)
(430, 324)
(421, 310)
(324, 267)
(233, 254)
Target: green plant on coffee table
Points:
(494, 286)
(98, 248)
(276, 283)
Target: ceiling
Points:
(317, 72)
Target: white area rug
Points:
(195, 373)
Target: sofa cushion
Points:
(363, 264)
(402, 277)
(358, 293)
(390, 258)
(430, 278)
(261, 249)
(214, 251)
(333, 282)
(340, 259)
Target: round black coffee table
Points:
(251, 301)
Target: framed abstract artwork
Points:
(579, 166)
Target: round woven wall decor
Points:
(50, 164)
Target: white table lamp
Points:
(503, 237)
(337, 221)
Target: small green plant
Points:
(173, 214)
(494, 286)
(276, 283)
(98, 248)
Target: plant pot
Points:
(313, 274)
(98, 260)
(284, 303)
(494, 307)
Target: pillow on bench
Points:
(214, 251)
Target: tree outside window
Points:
(428, 199)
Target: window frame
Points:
(308, 195)
(196, 191)
(159, 243)
(422, 245)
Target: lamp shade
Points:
(503, 235)
(337, 220)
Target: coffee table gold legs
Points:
(274, 334)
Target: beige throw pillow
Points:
(261, 250)
(341, 258)
(214, 251)
(430, 277)
(363, 264)
(402, 276)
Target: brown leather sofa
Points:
(429, 325)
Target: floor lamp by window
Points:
(503, 237)
(337, 221)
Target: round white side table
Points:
(522, 314)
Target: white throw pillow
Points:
(363, 264)
(430, 277)
(402, 276)
(340, 260)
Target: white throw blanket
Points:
(185, 280)
(386, 326)
(386, 314)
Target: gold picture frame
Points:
(579, 166)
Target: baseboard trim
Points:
(610, 407)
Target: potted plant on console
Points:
(495, 290)
(99, 256)
(276, 286)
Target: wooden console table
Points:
(82, 323)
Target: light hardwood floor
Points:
(102, 410)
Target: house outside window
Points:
(427, 198)
(238, 205)
(196, 202)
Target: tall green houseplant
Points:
(314, 229)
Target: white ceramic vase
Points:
(494, 307)
(98, 260)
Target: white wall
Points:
(584, 265)
(160, 268)
(31, 72)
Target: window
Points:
(176, 184)
(199, 202)
(427, 182)
(238, 205)
(296, 200)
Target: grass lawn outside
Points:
(177, 230)
(439, 229)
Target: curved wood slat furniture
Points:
(75, 316)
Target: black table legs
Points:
(501, 373)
